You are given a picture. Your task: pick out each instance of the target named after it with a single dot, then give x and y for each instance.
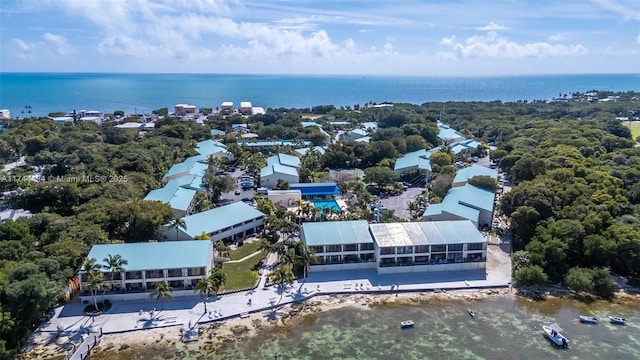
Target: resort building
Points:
(463, 147)
(225, 223)
(135, 125)
(463, 203)
(257, 110)
(302, 152)
(356, 135)
(316, 191)
(284, 198)
(414, 160)
(280, 167)
(465, 174)
(5, 114)
(226, 108)
(177, 193)
(197, 165)
(184, 109)
(266, 145)
(428, 246)
(339, 245)
(14, 214)
(449, 135)
(395, 247)
(180, 263)
(245, 108)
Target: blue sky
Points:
(403, 37)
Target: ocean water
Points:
(503, 328)
(141, 93)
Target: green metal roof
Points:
(156, 255)
(336, 233)
(220, 218)
(426, 233)
(467, 173)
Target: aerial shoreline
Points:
(214, 333)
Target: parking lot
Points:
(231, 196)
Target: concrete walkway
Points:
(189, 312)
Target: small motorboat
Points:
(588, 319)
(617, 320)
(553, 333)
(406, 324)
(471, 313)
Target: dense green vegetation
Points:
(574, 206)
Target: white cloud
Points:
(629, 9)
(50, 45)
(493, 46)
(491, 26)
(557, 37)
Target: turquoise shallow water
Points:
(504, 328)
(46, 92)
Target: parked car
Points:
(262, 191)
(238, 192)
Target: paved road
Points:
(400, 203)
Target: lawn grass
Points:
(635, 128)
(241, 275)
(244, 250)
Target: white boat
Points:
(406, 324)
(553, 333)
(588, 319)
(617, 320)
(471, 313)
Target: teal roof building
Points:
(227, 223)
(414, 160)
(280, 167)
(463, 203)
(465, 174)
(157, 255)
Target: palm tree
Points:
(96, 282)
(204, 287)
(288, 259)
(306, 258)
(281, 276)
(213, 163)
(161, 292)
(114, 264)
(217, 278)
(222, 249)
(178, 223)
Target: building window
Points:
(176, 284)
(455, 247)
(348, 259)
(438, 248)
(422, 260)
(387, 251)
(366, 257)
(350, 247)
(174, 273)
(317, 249)
(366, 247)
(454, 256)
(422, 249)
(404, 250)
(475, 257)
(387, 262)
(475, 246)
(334, 259)
(334, 248)
(131, 275)
(405, 261)
(154, 274)
(195, 271)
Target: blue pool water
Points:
(332, 204)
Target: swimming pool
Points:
(332, 204)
